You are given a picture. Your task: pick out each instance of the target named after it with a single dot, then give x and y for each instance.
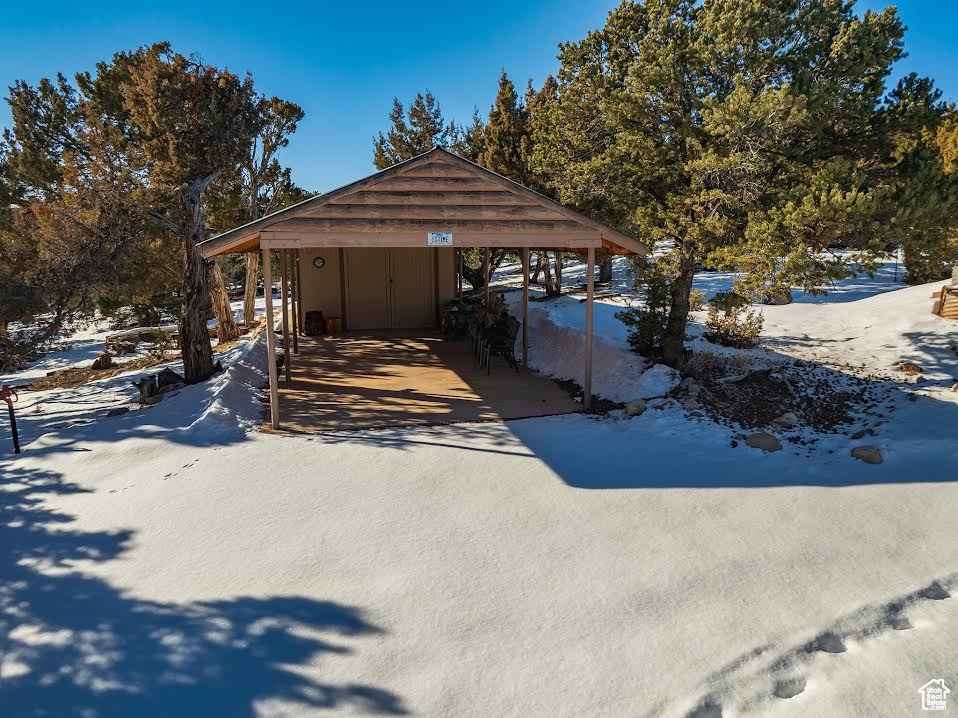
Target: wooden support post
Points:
(459, 270)
(270, 330)
(589, 295)
(294, 278)
(487, 264)
(284, 270)
(525, 307)
(299, 293)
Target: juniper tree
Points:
(192, 121)
(507, 135)
(72, 236)
(923, 214)
(736, 131)
(259, 184)
(507, 150)
(469, 142)
(412, 133)
(68, 253)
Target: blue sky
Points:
(344, 62)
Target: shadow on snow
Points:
(661, 449)
(73, 645)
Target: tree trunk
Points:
(558, 258)
(195, 344)
(551, 290)
(249, 293)
(605, 268)
(226, 329)
(476, 276)
(673, 343)
(537, 269)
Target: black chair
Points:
(501, 341)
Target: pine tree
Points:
(946, 137)
(471, 141)
(412, 133)
(734, 131)
(506, 135)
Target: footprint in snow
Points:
(868, 622)
(936, 592)
(789, 687)
(828, 642)
(707, 709)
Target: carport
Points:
(383, 255)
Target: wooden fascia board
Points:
(299, 240)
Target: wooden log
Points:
(270, 342)
(139, 333)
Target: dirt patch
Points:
(600, 405)
(822, 399)
(77, 376)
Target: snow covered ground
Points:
(172, 561)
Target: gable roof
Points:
(435, 191)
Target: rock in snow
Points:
(868, 454)
(910, 368)
(657, 381)
(788, 420)
(764, 441)
(634, 408)
(103, 361)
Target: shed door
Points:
(412, 279)
(367, 284)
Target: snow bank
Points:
(220, 409)
(226, 405)
(557, 346)
(657, 381)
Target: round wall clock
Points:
(319, 262)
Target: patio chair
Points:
(501, 341)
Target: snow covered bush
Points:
(731, 322)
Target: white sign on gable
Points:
(439, 239)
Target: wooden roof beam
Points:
(547, 241)
(490, 226)
(433, 212)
